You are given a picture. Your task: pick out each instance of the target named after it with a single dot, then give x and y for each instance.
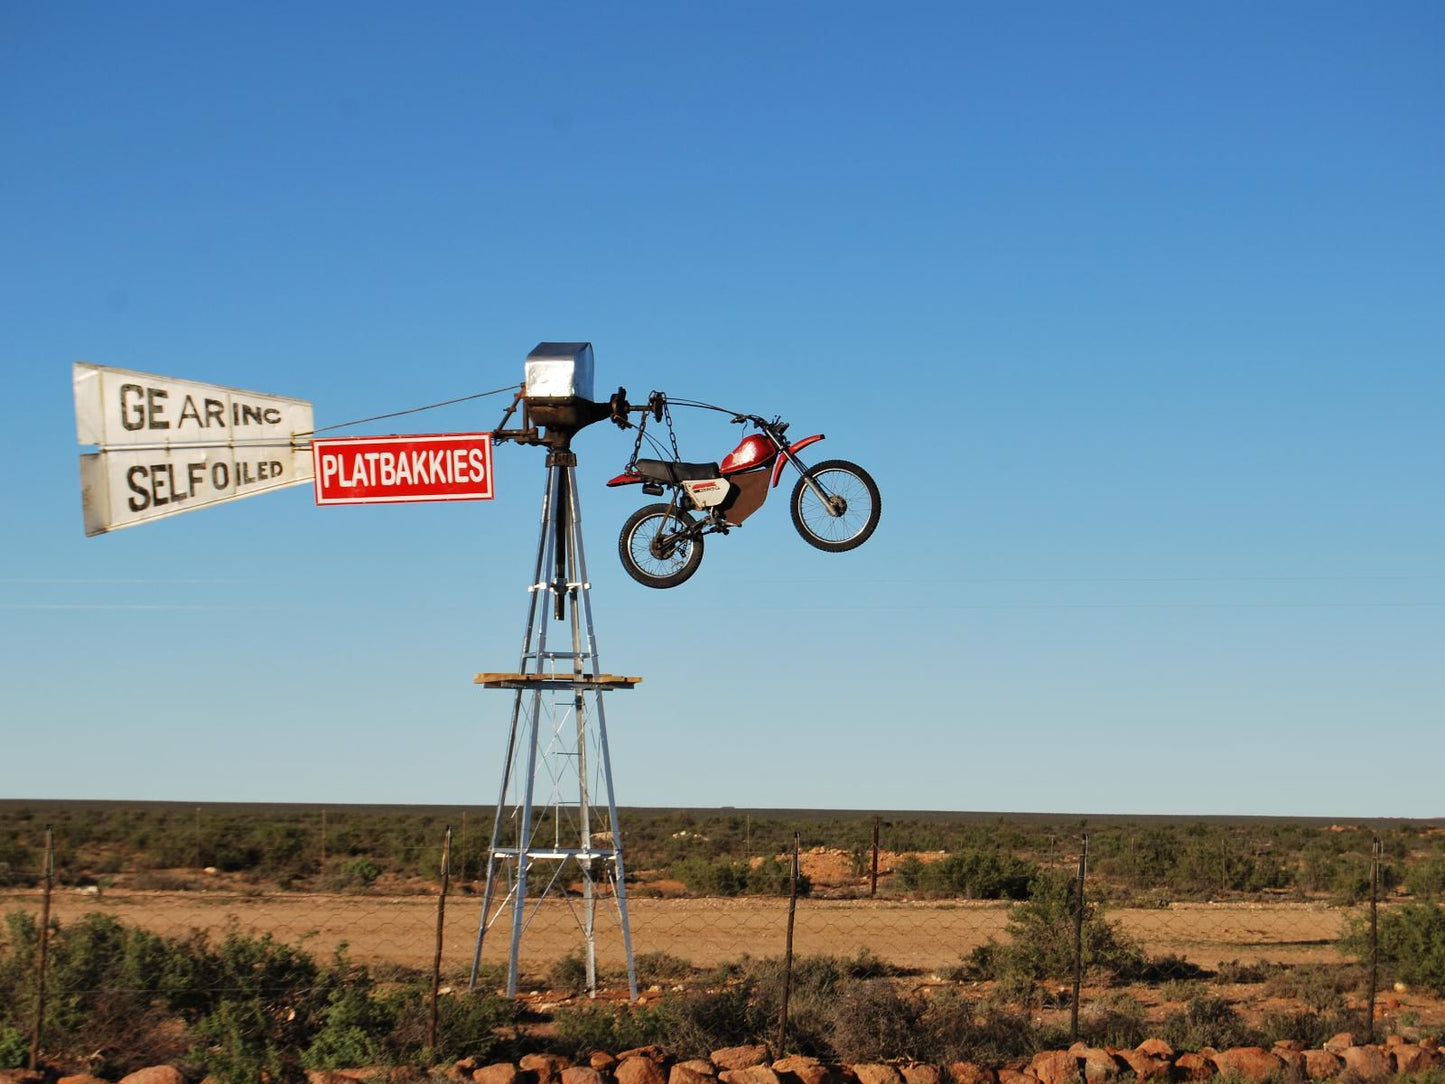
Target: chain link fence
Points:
(1063, 918)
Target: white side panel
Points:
(119, 407)
(127, 486)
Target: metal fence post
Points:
(44, 949)
(1374, 941)
(873, 877)
(788, 953)
(1078, 940)
(436, 966)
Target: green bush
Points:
(14, 1048)
(1205, 1021)
(1426, 879)
(1411, 941)
(1041, 944)
(586, 1028)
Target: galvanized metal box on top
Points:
(560, 371)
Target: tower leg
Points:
(554, 789)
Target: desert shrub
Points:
(568, 974)
(586, 1028)
(1426, 879)
(871, 1020)
(658, 967)
(1115, 1020)
(1205, 1021)
(354, 1027)
(467, 1025)
(959, 1029)
(909, 872)
(1234, 972)
(1041, 944)
(1320, 987)
(974, 874)
(14, 1048)
(1311, 1028)
(351, 874)
(1411, 944)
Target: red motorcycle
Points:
(835, 503)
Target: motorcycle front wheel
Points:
(845, 516)
(655, 548)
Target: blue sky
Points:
(1133, 310)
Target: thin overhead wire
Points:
(413, 410)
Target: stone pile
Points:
(1151, 1060)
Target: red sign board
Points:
(386, 470)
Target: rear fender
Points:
(778, 463)
(626, 480)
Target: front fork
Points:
(830, 502)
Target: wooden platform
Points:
(555, 681)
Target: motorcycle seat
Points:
(663, 470)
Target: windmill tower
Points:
(556, 846)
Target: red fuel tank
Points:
(751, 452)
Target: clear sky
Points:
(1136, 312)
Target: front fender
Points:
(778, 463)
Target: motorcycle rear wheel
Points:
(851, 514)
(650, 551)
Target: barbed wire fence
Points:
(1063, 940)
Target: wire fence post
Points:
(1374, 941)
(436, 966)
(873, 877)
(44, 950)
(1078, 940)
(788, 952)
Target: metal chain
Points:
(667, 417)
(636, 446)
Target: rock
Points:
(636, 1070)
(601, 1060)
(966, 1072)
(1055, 1067)
(1322, 1065)
(155, 1074)
(1338, 1044)
(1296, 1045)
(1100, 1066)
(21, 1076)
(1367, 1062)
(1016, 1076)
(1156, 1048)
(81, 1078)
(1145, 1066)
(687, 1073)
(548, 1067)
(873, 1073)
(1293, 1060)
(582, 1074)
(799, 1069)
(699, 1065)
(740, 1057)
(654, 1052)
(922, 1074)
(753, 1074)
(462, 1069)
(1252, 1063)
(1413, 1059)
(502, 1072)
(1395, 1040)
(1193, 1067)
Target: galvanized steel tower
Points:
(556, 846)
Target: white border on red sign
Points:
(319, 443)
